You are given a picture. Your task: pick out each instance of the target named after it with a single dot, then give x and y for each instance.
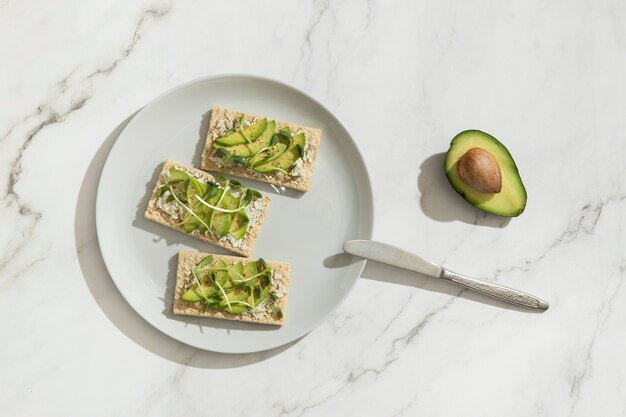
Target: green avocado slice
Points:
(511, 200)
(271, 154)
(251, 132)
(192, 294)
(239, 225)
(283, 163)
(235, 272)
(300, 141)
(176, 174)
(221, 277)
(247, 149)
(250, 270)
(221, 223)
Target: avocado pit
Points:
(480, 170)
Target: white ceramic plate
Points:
(308, 230)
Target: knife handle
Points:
(497, 291)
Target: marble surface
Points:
(547, 78)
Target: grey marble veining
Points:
(545, 78)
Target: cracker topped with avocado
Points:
(211, 208)
(260, 148)
(231, 288)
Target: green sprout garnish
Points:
(218, 204)
(223, 293)
(205, 261)
(286, 133)
(190, 211)
(240, 288)
(223, 152)
(217, 208)
(198, 200)
(242, 127)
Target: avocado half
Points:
(510, 201)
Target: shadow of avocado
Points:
(108, 297)
(441, 203)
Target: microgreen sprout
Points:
(217, 208)
(223, 152)
(286, 133)
(223, 293)
(239, 159)
(237, 280)
(241, 281)
(190, 211)
(218, 204)
(200, 287)
(242, 127)
(205, 261)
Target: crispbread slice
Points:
(184, 278)
(212, 161)
(243, 247)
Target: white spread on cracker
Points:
(197, 175)
(170, 207)
(298, 168)
(235, 243)
(278, 288)
(254, 210)
(309, 152)
(260, 310)
(219, 160)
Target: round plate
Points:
(306, 229)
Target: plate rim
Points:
(242, 76)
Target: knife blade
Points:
(392, 255)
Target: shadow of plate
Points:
(109, 299)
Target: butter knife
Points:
(391, 255)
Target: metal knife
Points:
(391, 255)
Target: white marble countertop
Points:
(547, 78)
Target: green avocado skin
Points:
(511, 200)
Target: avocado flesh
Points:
(222, 221)
(251, 132)
(273, 153)
(192, 294)
(241, 296)
(248, 149)
(511, 200)
(239, 226)
(285, 161)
